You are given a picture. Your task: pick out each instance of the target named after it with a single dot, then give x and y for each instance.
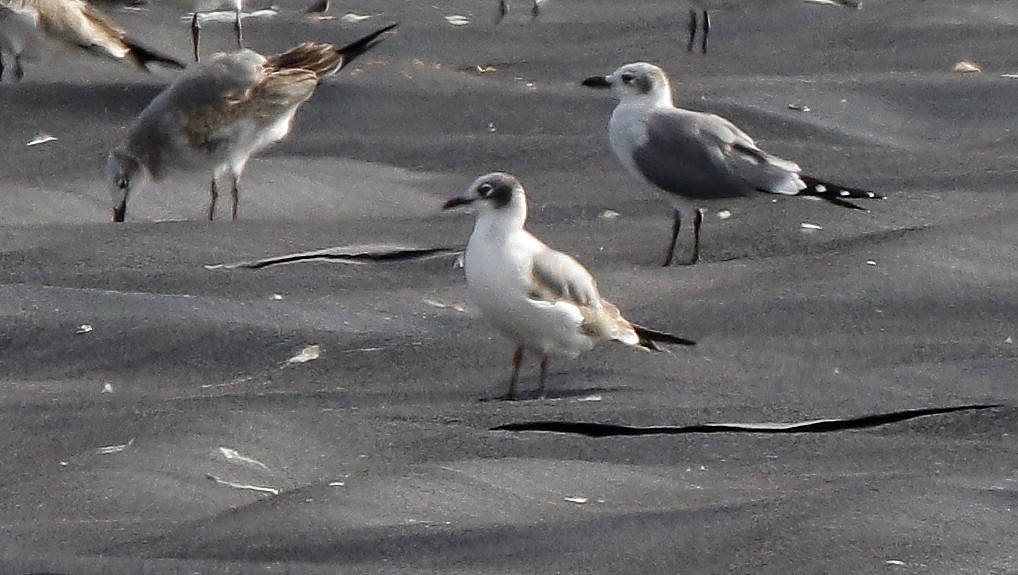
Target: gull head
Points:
(491, 192)
(124, 173)
(498, 199)
(638, 81)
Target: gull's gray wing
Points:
(703, 156)
(557, 276)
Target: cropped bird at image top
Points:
(26, 25)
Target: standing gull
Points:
(25, 24)
(537, 297)
(696, 156)
(704, 7)
(219, 113)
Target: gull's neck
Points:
(499, 224)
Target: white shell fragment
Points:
(724, 214)
(276, 296)
(798, 107)
(235, 456)
(336, 484)
(809, 226)
(114, 448)
(353, 17)
(965, 67)
(609, 215)
(235, 485)
(307, 354)
(107, 388)
(453, 306)
(577, 500)
(871, 262)
(83, 329)
(457, 20)
(41, 138)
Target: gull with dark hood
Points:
(538, 298)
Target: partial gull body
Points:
(704, 7)
(26, 24)
(219, 113)
(692, 155)
(539, 298)
(196, 7)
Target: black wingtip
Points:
(351, 51)
(836, 194)
(143, 56)
(649, 338)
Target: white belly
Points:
(498, 283)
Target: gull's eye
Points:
(627, 78)
(484, 190)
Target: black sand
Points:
(382, 456)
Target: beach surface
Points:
(153, 420)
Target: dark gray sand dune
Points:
(175, 437)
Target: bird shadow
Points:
(558, 394)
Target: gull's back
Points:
(193, 120)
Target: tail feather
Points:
(142, 56)
(834, 193)
(351, 51)
(649, 338)
(323, 59)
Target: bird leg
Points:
(195, 33)
(544, 372)
(19, 71)
(235, 193)
(214, 192)
(697, 221)
(692, 29)
(240, 31)
(676, 225)
(503, 9)
(706, 30)
(511, 394)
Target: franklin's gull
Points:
(694, 155)
(25, 24)
(539, 298)
(220, 112)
